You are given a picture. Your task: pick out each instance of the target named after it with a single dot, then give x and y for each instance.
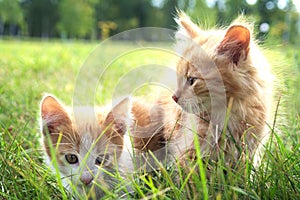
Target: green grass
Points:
(28, 69)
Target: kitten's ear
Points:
(120, 116)
(187, 25)
(53, 115)
(236, 43)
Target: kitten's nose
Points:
(86, 178)
(175, 98)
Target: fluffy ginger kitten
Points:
(221, 71)
(87, 144)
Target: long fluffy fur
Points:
(232, 55)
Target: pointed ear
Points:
(53, 115)
(120, 116)
(185, 22)
(235, 44)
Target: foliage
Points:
(41, 17)
(206, 16)
(76, 20)
(80, 19)
(10, 12)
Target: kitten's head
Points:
(84, 142)
(212, 64)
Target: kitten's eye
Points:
(191, 80)
(102, 160)
(71, 158)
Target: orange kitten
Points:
(215, 68)
(163, 128)
(87, 143)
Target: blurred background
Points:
(276, 20)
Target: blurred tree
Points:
(273, 19)
(142, 12)
(220, 9)
(125, 14)
(106, 27)
(235, 8)
(229, 10)
(294, 29)
(198, 9)
(76, 18)
(284, 23)
(81, 18)
(11, 15)
(41, 17)
(169, 10)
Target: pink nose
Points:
(175, 98)
(86, 178)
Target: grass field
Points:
(28, 69)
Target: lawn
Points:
(28, 69)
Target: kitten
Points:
(163, 128)
(220, 69)
(87, 144)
